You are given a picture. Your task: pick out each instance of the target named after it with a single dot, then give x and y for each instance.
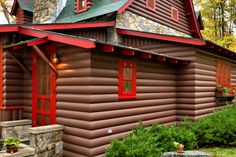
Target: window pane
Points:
(47, 119)
(39, 119)
(219, 74)
(39, 104)
(81, 4)
(43, 77)
(127, 73)
(151, 3)
(127, 87)
(46, 104)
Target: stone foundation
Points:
(47, 140)
(16, 128)
(131, 21)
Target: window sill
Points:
(127, 97)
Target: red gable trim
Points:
(163, 37)
(192, 19)
(15, 28)
(62, 38)
(125, 6)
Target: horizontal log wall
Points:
(205, 75)
(27, 85)
(163, 13)
(233, 78)
(185, 74)
(155, 102)
(73, 99)
(12, 88)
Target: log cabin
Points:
(98, 67)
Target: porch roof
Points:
(92, 44)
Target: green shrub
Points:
(141, 142)
(218, 129)
(151, 141)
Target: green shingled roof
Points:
(100, 7)
(27, 5)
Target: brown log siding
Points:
(12, 87)
(163, 13)
(74, 74)
(27, 86)
(98, 33)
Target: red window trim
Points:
(123, 95)
(150, 8)
(78, 10)
(227, 66)
(172, 14)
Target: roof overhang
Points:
(61, 26)
(58, 37)
(190, 41)
(42, 36)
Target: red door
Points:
(43, 91)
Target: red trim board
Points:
(163, 37)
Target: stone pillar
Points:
(113, 36)
(16, 128)
(47, 140)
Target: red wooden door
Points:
(43, 91)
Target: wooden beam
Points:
(127, 52)
(44, 58)
(172, 60)
(19, 63)
(106, 48)
(38, 42)
(146, 55)
(161, 58)
(24, 42)
(59, 37)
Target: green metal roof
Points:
(27, 5)
(100, 7)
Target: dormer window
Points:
(151, 4)
(175, 14)
(81, 5)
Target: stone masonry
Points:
(16, 129)
(44, 10)
(129, 20)
(47, 140)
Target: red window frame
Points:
(223, 73)
(173, 11)
(131, 64)
(79, 10)
(149, 6)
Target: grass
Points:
(220, 152)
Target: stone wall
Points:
(16, 128)
(131, 21)
(47, 140)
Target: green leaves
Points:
(11, 141)
(218, 129)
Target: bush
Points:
(151, 141)
(218, 129)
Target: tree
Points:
(219, 18)
(5, 6)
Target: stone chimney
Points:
(46, 11)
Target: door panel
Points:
(43, 91)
